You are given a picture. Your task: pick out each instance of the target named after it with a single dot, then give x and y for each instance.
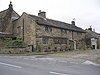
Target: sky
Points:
(85, 12)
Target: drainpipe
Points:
(23, 29)
(74, 41)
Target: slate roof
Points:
(4, 12)
(55, 23)
(92, 34)
(4, 18)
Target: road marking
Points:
(56, 73)
(10, 65)
(90, 63)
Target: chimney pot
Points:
(42, 14)
(90, 28)
(10, 6)
(73, 23)
(39, 11)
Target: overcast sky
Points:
(86, 12)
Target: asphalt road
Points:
(46, 65)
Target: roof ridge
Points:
(56, 23)
(49, 19)
(3, 10)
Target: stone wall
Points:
(78, 36)
(1, 43)
(15, 50)
(56, 32)
(68, 35)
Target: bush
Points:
(8, 42)
(15, 43)
(38, 47)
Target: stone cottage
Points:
(41, 33)
(47, 34)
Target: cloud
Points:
(86, 12)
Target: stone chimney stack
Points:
(90, 28)
(42, 14)
(73, 23)
(10, 6)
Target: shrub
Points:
(16, 43)
(38, 47)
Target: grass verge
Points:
(98, 59)
(69, 53)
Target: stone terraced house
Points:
(41, 33)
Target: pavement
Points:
(46, 65)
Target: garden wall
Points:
(15, 50)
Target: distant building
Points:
(42, 33)
(92, 39)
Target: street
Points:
(46, 65)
